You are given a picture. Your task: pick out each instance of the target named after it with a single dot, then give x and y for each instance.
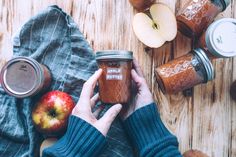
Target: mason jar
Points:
(197, 15)
(115, 81)
(184, 72)
(219, 40)
(24, 77)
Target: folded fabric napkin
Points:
(53, 39)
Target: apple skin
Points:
(194, 153)
(50, 115)
(141, 5)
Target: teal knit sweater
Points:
(144, 127)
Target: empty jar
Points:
(197, 15)
(24, 77)
(115, 81)
(219, 40)
(185, 72)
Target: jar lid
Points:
(221, 37)
(225, 3)
(206, 63)
(21, 77)
(114, 54)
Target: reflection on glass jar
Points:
(24, 77)
(219, 40)
(185, 72)
(196, 15)
(115, 82)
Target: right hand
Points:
(141, 96)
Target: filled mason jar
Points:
(115, 81)
(184, 72)
(197, 15)
(219, 40)
(24, 77)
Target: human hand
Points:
(141, 95)
(87, 101)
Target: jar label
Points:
(114, 74)
(193, 8)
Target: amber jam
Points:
(185, 72)
(115, 82)
(219, 40)
(24, 77)
(196, 15)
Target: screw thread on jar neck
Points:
(210, 74)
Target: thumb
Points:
(107, 119)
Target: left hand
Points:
(87, 101)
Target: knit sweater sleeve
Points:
(80, 140)
(149, 135)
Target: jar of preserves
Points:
(24, 77)
(185, 72)
(115, 81)
(219, 40)
(196, 15)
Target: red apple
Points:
(141, 5)
(194, 153)
(50, 115)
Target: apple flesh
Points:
(155, 27)
(50, 114)
(141, 5)
(47, 143)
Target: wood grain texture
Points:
(204, 119)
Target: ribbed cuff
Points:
(80, 140)
(149, 134)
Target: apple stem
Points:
(154, 25)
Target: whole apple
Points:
(141, 5)
(50, 114)
(194, 153)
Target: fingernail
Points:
(119, 106)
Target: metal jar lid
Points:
(206, 63)
(225, 3)
(221, 37)
(114, 54)
(22, 77)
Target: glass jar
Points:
(196, 15)
(23, 77)
(219, 40)
(185, 72)
(115, 81)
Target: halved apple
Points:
(156, 26)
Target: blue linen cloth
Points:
(53, 39)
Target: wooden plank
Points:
(176, 110)
(212, 110)
(233, 102)
(206, 121)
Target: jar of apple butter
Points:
(115, 82)
(24, 77)
(219, 40)
(196, 15)
(185, 72)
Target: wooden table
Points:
(205, 119)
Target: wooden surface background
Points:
(204, 119)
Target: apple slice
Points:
(156, 27)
